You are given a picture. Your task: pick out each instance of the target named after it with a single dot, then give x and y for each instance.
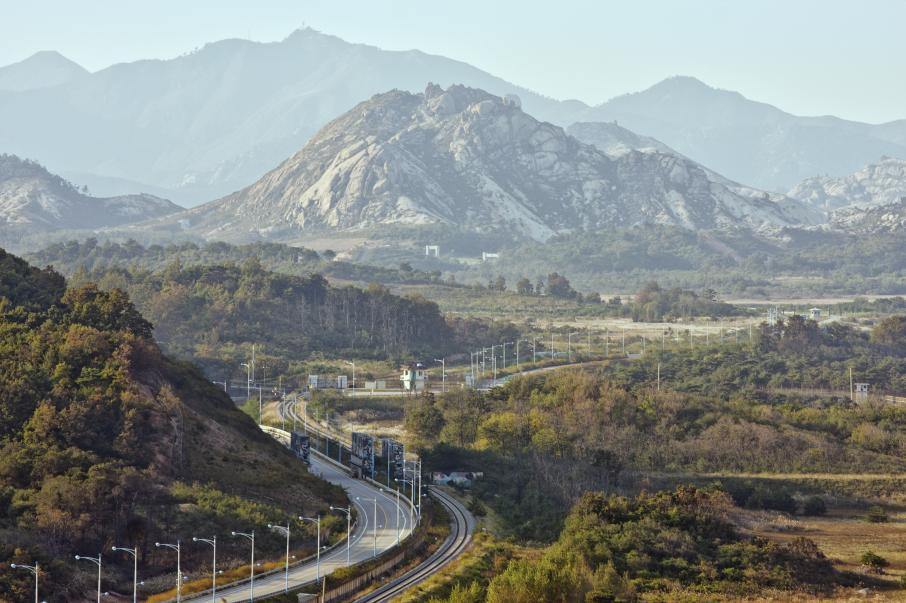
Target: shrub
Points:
(873, 562)
(814, 505)
(876, 514)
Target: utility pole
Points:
(33, 569)
(443, 373)
(353, 377)
(250, 537)
(213, 543)
(851, 394)
(248, 380)
(281, 529)
(658, 376)
(134, 553)
(178, 548)
(317, 521)
(97, 562)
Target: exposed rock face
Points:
(879, 219)
(465, 157)
(614, 139)
(33, 200)
(876, 184)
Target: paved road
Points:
(462, 525)
(361, 544)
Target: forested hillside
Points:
(103, 440)
(213, 315)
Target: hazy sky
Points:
(810, 57)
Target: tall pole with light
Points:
(411, 484)
(33, 569)
(213, 543)
(443, 373)
(250, 536)
(353, 376)
(248, 380)
(97, 562)
(284, 530)
(373, 525)
(348, 512)
(569, 346)
(317, 521)
(134, 553)
(176, 547)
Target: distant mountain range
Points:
(34, 202)
(469, 159)
(199, 126)
(44, 69)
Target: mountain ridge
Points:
(34, 201)
(465, 157)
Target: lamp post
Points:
(213, 543)
(411, 483)
(134, 553)
(443, 373)
(397, 515)
(353, 376)
(317, 521)
(248, 380)
(283, 530)
(348, 512)
(178, 548)
(373, 526)
(251, 538)
(504, 352)
(97, 562)
(33, 569)
(569, 346)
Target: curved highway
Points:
(461, 529)
(393, 523)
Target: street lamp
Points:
(353, 376)
(178, 548)
(374, 525)
(134, 553)
(411, 483)
(248, 380)
(569, 345)
(283, 530)
(504, 352)
(213, 543)
(97, 562)
(317, 521)
(443, 373)
(33, 569)
(251, 537)
(348, 512)
(397, 514)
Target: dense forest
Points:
(104, 441)
(213, 315)
(93, 256)
(668, 546)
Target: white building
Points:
(414, 377)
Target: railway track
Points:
(455, 544)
